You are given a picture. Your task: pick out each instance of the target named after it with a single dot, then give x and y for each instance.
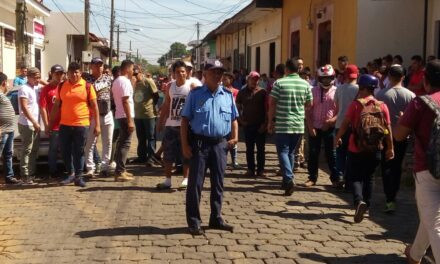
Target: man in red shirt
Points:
(46, 102)
(417, 72)
(418, 119)
(360, 164)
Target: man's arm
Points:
(24, 108)
(54, 112)
(165, 111)
(234, 134)
(45, 118)
(95, 109)
(309, 118)
(341, 132)
(126, 106)
(184, 127)
(271, 114)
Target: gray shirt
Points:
(7, 114)
(345, 94)
(396, 98)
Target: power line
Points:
(65, 16)
(96, 23)
(204, 7)
(177, 11)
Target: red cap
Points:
(254, 74)
(351, 71)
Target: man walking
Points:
(289, 98)
(211, 112)
(251, 104)
(123, 97)
(145, 98)
(102, 84)
(28, 125)
(7, 115)
(397, 98)
(47, 99)
(75, 100)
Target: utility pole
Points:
(86, 24)
(117, 42)
(112, 29)
(137, 55)
(20, 37)
(129, 51)
(198, 46)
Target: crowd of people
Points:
(364, 117)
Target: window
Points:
(324, 43)
(294, 44)
(272, 52)
(9, 36)
(257, 59)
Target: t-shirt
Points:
(354, 114)
(252, 105)
(143, 99)
(47, 100)
(344, 96)
(122, 88)
(75, 103)
(291, 94)
(7, 114)
(396, 99)
(416, 78)
(19, 81)
(178, 95)
(324, 106)
(195, 82)
(103, 87)
(418, 117)
(30, 94)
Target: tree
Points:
(177, 50)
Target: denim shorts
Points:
(172, 146)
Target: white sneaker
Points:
(89, 173)
(184, 184)
(113, 165)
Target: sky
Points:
(161, 22)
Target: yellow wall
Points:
(344, 25)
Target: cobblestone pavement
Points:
(109, 222)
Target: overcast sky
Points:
(162, 22)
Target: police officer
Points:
(211, 113)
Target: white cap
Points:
(188, 64)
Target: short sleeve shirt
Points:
(422, 128)
(353, 114)
(47, 100)
(30, 93)
(103, 87)
(291, 94)
(7, 114)
(416, 78)
(396, 99)
(19, 81)
(344, 96)
(210, 114)
(324, 106)
(122, 88)
(75, 103)
(252, 105)
(143, 99)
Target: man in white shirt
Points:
(194, 82)
(123, 97)
(28, 125)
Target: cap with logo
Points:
(212, 64)
(253, 74)
(188, 64)
(352, 71)
(96, 60)
(56, 68)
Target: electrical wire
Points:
(65, 16)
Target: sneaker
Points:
(80, 182)
(249, 174)
(68, 180)
(236, 166)
(309, 183)
(163, 186)
(290, 187)
(156, 161)
(184, 184)
(13, 181)
(360, 211)
(98, 169)
(89, 173)
(390, 207)
(261, 174)
(104, 174)
(137, 161)
(152, 164)
(124, 177)
(178, 170)
(128, 174)
(113, 165)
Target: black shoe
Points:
(137, 161)
(196, 231)
(13, 180)
(223, 226)
(289, 189)
(360, 211)
(178, 170)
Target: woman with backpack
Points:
(370, 122)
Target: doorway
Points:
(324, 43)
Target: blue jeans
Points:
(330, 152)
(73, 141)
(53, 151)
(286, 144)
(145, 132)
(6, 150)
(342, 153)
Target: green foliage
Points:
(177, 50)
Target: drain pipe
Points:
(425, 29)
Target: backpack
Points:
(433, 151)
(372, 126)
(88, 87)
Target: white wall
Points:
(57, 29)
(7, 17)
(389, 27)
(433, 31)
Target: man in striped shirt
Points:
(289, 99)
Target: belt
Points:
(211, 140)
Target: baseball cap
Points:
(33, 71)
(351, 71)
(396, 70)
(96, 60)
(136, 69)
(253, 74)
(211, 64)
(56, 68)
(188, 64)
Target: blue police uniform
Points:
(210, 116)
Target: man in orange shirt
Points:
(76, 100)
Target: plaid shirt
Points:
(324, 106)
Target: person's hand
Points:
(232, 142)
(97, 131)
(187, 151)
(270, 127)
(337, 142)
(48, 132)
(312, 132)
(37, 127)
(389, 155)
(130, 126)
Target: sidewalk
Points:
(109, 222)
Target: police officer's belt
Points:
(209, 140)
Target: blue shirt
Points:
(19, 81)
(210, 114)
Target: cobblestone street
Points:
(109, 222)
